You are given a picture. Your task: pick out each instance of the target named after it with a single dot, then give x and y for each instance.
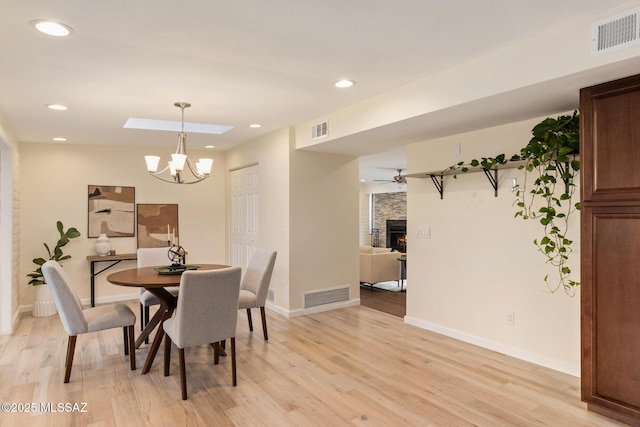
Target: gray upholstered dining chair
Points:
(77, 321)
(152, 257)
(207, 313)
(255, 284)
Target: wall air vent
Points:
(320, 130)
(616, 32)
(271, 296)
(326, 296)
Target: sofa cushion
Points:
(366, 249)
(380, 250)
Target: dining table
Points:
(156, 280)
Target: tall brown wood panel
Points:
(610, 248)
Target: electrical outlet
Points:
(510, 318)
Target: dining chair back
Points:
(77, 321)
(207, 313)
(255, 285)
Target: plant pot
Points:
(43, 303)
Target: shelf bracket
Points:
(439, 184)
(493, 179)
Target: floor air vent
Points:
(327, 296)
(320, 130)
(616, 32)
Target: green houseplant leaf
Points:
(35, 277)
(552, 166)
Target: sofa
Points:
(378, 265)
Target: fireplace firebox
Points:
(397, 234)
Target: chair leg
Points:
(142, 325)
(233, 360)
(132, 346)
(216, 353)
(126, 340)
(71, 348)
(264, 323)
(167, 354)
(249, 319)
(146, 321)
(183, 375)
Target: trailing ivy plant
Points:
(549, 160)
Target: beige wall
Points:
(324, 224)
(308, 213)
(480, 262)
(54, 180)
(9, 229)
(271, 153)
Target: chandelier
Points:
(180, 163)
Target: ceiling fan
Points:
(398, 179)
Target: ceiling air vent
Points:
(320, 130)
(616, 32)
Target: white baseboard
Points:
(500, 348)
(318, 309)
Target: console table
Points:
(113, 259)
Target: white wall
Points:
(54, 182)
(480, 263)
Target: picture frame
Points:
(111, 211)
(157, 225)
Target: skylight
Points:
(168, 125)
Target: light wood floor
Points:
(353, 367)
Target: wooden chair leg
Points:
(126, 340)
(249, 319)
(167, 354)
(216, 353)
(233, 360)
(142, 325)
(132, 346)
(183, 375)
(146, 321)
(71, 348)
(264, 323)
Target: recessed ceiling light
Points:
(344, 83)
(51, 28)
(57, 107)
(209, 146)
(255, 125)
(59, 139)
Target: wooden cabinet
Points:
(610, 248)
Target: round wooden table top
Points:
(148, 277)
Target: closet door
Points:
(610, 248)
(244, 214)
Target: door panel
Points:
(244, 215)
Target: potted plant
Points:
(43, 305)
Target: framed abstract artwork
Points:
(111, 211)
(157, 225)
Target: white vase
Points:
(43, 303)
(103, 246)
